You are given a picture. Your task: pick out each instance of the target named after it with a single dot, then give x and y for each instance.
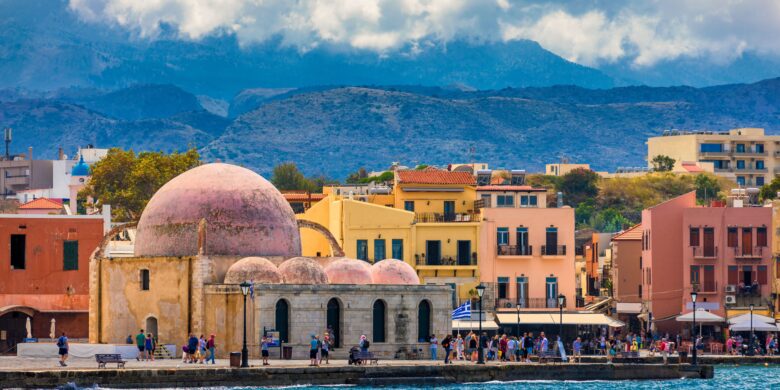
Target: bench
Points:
(104, 358)
(549, 356)
(362, 357)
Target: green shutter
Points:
(70, 254)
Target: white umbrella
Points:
(702, 316)
(746, 317)
(52, 333)
(757, 327)
(29, 328)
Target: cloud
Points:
(588, 32)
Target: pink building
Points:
(526, 250)
(727, 258)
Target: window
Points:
(733, 275)
(409, 205)
(521, 236)
(505, 200)
(522, 291)
(759, 148)
(502, 236)
(362, 250)
(551, 241)
(760, 164)
(70, 255)
(762, 276)
(760, 181)
(528, 201)
(709, 278)
(551, 291)
(532, 200)
(709, 242)
(18, 251)
(398, 249)
(695, 277)
(694, 237)
(741, 180)
(424, 322)
(740, 164)
(379, 321)
(524, 201)
(740, 148)
(711, 148)
(732, 237)
(761, 239)
(144, 280)
(379, 250)
(503, 287)
(485, 200)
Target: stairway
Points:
(162, 353)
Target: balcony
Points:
(721, 154)
(748, 253)
(704, 253)
(514, 250)
(749, 153)
(445, 217)
(553, 250)
(527, 303)
(420, 260)
(17, 180)
(745, 296)
(706, 288)
(750, 170)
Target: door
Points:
(18, 251)
(398, 249)
(551, 241)
(15, 326)
(362, 250)
(334, 321)
(379, 321)
(283, 320)
(522, 241)
(522, 291)
(434, 252)
(709, 242)
(747, 275)
(449, 210)
(747, 241)
(464, 252)
(551, 292)
(151, 327)
(424, 322)
(379, 250)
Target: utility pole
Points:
(8, 134)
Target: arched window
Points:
(424, 322)
(334, 322)
(379, 321)
(283, 320)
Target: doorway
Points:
(464, 252)
(283, 320)
(334, 321)
(424, 322)
(14, 325)
(151, 327)
(434, 252)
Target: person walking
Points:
(473, 347)
(211, 345)
(503, 347)
(313, 346)
(325, 350)
(510, 349)
(663, 347)
(577, 350)
(459, 348)
(203, 348)
(63, 346)
(434, 347)
(192, 348)
(140, 342)
(529, 347)
(149, 347)
(447, 345)
(543, 343)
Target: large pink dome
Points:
(349, 271)
(392, 271)
(303, 270)
(255, 270)
(245, 216)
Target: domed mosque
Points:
(218, 225)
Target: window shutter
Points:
(70, 255)
(762, 274)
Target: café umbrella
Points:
(746, 318)
(702, 317)
(744, 326)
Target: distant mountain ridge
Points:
(333, 130)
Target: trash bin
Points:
(235, 359)
(287, 353)
(683, 357)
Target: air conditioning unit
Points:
(730, 288)
(508, 305)
(731, 300)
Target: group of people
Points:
(497, 348)
(319, 349)
(146, 343)
(199, 350)
(737, 345)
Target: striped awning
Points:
(554, 319)
(474, 324)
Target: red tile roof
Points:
(510, 188)
(691, 167)
(633, 233)
(298, 196)
(435, 177)
(43, 203)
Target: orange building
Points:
(45, 274)
(627, 275)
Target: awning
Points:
(474, 324)
(701, 316)
(600, 305)
(757, 326)
(746, 318)
(629, 308)
(554, 319)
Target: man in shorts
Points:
(313, 350)
(140, 342)
(63, 346)
(264, 349)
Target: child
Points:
(264, 350)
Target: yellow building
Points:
(747, 156)
(561, 169)
(428, 221)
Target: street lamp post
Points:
(561, 303)
(518, 320)
(750, 348)
(693, 299)
(244, 351)
(480, 351)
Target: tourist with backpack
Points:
(664, 349)
(63, 346)
(447, 345)
(363, 343)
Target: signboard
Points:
(32, 340)
(274, 335)
(703, 305)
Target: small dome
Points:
(80, 169)
(255, 270)
(245, 216)
(302, 270)
(349, 271)
(392, 271)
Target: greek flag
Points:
(463, 311)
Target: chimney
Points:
(560, 199)
(60, 154)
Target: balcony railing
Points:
(704, 252)
(748, 253)
(722, 153)
(553, 250)
(527, 303)
(447, 260)
(515, 250)
(748, 153)
(706, 287)
(446, 217)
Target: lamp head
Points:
(245, 288)
(693, 296)
(480, 290)
(561, 300)
(751, 307)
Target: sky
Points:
(593, 33)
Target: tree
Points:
(662, 163)
(609, 220)
(355, 177)
(127, 181)
(707, 188)
(579, 185)
(769, 191)
(287, 177)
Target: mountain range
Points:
(333, 130)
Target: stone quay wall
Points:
(361, 375)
